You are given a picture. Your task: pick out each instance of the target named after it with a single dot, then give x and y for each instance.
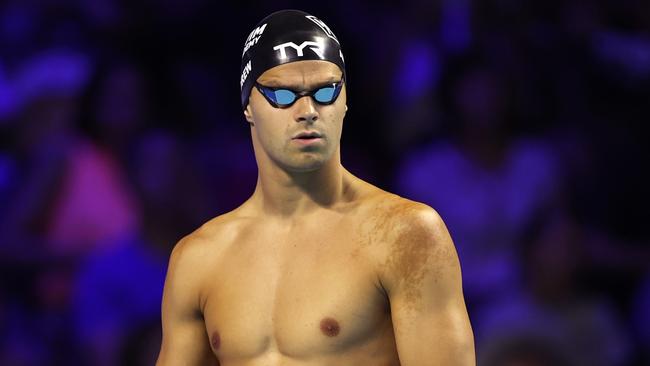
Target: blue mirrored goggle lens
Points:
(325, 95)
(284, 96)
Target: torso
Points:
(304, 293)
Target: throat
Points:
(301, 192)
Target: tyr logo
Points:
(317, 47)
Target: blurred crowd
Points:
(522, 123)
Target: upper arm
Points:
(184, 341)
(422, 278)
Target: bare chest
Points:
(311, 292)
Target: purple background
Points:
(523, 123)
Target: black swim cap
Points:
(282, 37)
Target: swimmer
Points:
(317, 267)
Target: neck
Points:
(288, 194)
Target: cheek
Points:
(266, 129)
(335, 117)
(272, 132)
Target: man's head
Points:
(283, 37)
(293, 90)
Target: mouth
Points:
(307, 135)
(308, 138)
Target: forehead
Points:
(301, 73)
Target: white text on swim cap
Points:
(323, 26)
(317, 47)
(244, 73)
(253, 37)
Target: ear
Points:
(248, 113)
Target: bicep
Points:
(428, 311)
(184, 341)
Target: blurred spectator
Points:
(415, 73)
(68, 185)
(118, 290)
(47, 90)
(484, 183)
(553, 308)
(119, 287)
(413, 111)
(95, 186)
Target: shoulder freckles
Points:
(418, 251)
(394, 217)
(419, 237)
(417, 225)
(415, 216)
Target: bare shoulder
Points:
(184, 297)
(397, 216)
(392, 220)
(412, 240)
(193, 255)
(413, 225)
(201, 241)
(418, 269)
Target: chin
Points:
(306, 164)
(305, 168)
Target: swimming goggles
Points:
(285, 98)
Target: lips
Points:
(306, 135)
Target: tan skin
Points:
(317, 267)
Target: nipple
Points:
(215, 341)
(330, 327)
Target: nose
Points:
(305, 110)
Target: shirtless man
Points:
(317, 267)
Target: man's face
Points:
(275, 130)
